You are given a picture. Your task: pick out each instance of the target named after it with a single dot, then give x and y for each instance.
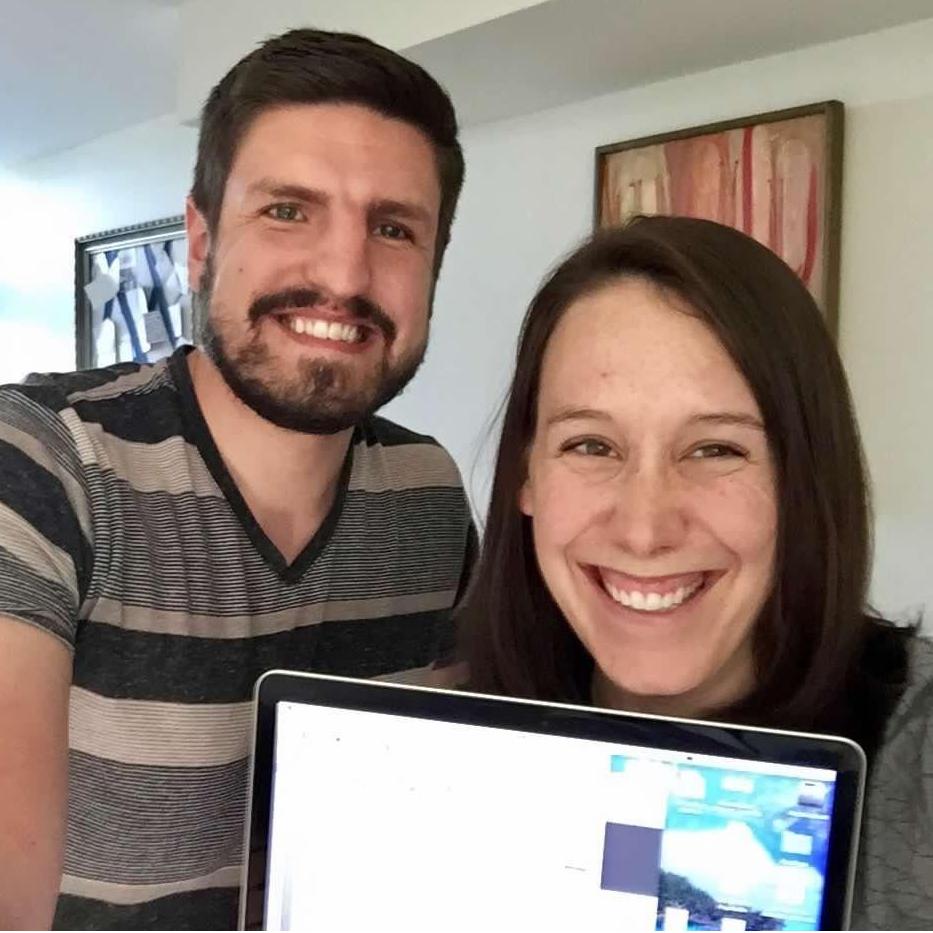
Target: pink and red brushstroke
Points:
(766, 180)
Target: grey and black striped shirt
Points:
(123, 535)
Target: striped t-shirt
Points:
(123, 535)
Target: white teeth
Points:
(651, 602)
(324, 330)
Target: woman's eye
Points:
(589, 447)
(715, 452)
(393, 232)
(286, 212)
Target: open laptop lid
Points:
(375, 806)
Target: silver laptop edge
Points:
(388, 685)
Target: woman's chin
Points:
(665, 693)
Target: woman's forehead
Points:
(632, 341)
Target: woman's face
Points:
(652, 496)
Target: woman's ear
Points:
(525, 497)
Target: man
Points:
(169, 532)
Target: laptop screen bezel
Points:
(678, 735)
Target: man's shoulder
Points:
(386, 433)
(389, 455)
(58, 391)
(131, 401)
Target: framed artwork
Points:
(131, 294)
(776, 176)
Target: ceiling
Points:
(84, 68)
(567, 50)
(73, 70)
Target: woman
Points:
(679, 524)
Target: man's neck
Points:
(288, 479)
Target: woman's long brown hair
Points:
(810, 630)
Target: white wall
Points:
(887, 334)
(528, 198)
(134, 175)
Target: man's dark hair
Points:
(309, 66)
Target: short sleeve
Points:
(449, 665)
(470, 558)
(45, 516)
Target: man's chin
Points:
(318, 424)
(309, 417)
(324, 396)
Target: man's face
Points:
(318, 279)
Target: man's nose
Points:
(338, 258)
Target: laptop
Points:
(383, 807)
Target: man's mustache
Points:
(362, 309)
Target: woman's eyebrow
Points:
(574, 413)
(581, 413)
(742, 419)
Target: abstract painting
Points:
(775, 176)
(131, 294)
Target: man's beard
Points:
(320, 398)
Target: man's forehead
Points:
(316, 145)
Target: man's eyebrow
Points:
(273, 188)
(384, 207)
(741, 419)
(404, 210)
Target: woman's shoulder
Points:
(897, 688)
(920, 649)
(914, 708)
(895, 889)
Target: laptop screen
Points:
(381, 821)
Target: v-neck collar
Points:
(204, 440)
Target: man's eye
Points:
(285, 212)
(589, 447)
(393, 232)
(715, 452)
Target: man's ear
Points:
(199, 244)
